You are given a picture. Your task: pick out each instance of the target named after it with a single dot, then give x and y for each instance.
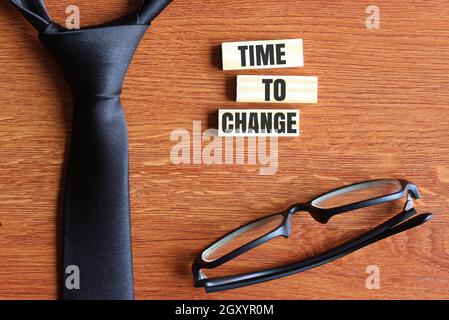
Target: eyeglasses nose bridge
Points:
(295, 208)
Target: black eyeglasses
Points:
(322, 208)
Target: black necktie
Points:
(96, 227)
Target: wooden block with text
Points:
(262, 54)
(277, 89)
(258, 123)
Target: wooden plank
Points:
(267, 54)
(277, 89)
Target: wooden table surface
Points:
(383, 112)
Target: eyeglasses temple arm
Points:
(409, 224)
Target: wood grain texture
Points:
(383, 112)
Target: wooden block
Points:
(258, 123)
(262, 54)
(277, 89)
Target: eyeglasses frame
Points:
(321, 215)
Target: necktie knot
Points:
(94, 61)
